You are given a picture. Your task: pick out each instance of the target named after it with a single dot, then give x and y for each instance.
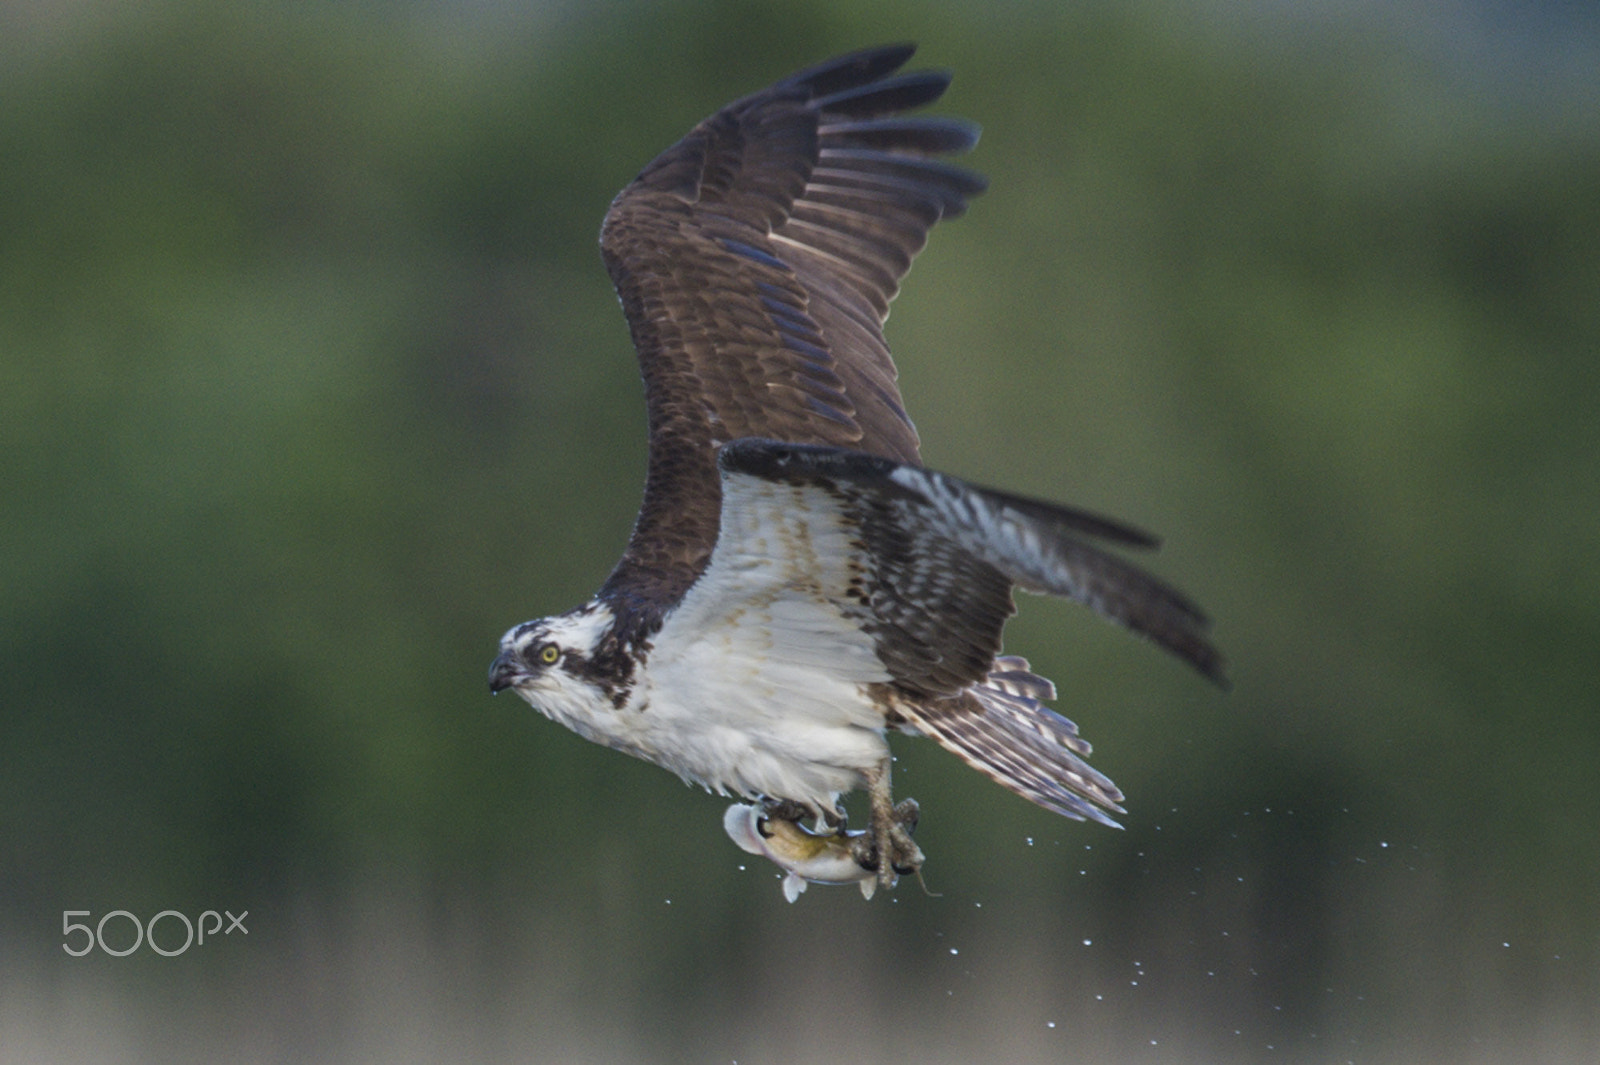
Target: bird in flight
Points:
(797, 584)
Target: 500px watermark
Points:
(146, 933)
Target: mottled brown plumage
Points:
(755, 261)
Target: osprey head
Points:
(550, 657)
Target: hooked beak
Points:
(504, 672)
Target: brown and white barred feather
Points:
(1001, 728)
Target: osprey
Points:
(797, 584)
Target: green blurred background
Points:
(311, 383)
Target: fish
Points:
(806, 856)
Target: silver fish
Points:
(807, 857)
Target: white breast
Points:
(757, 681)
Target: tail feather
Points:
(1020, 744)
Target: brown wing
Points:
(755, 261)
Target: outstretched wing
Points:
(755, 261)
(944, 555)
(929, 583)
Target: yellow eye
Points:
(549, 653)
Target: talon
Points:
(905, 857)
(865, 851)
(908, 813)
(785, 810)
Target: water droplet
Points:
(953, 950)
(1088, 942)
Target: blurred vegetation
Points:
(311, 383)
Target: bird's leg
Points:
(888, 847)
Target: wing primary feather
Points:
(884, 97)
(933, 136)
(851, 69)
(953, 184)
(916, 169)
